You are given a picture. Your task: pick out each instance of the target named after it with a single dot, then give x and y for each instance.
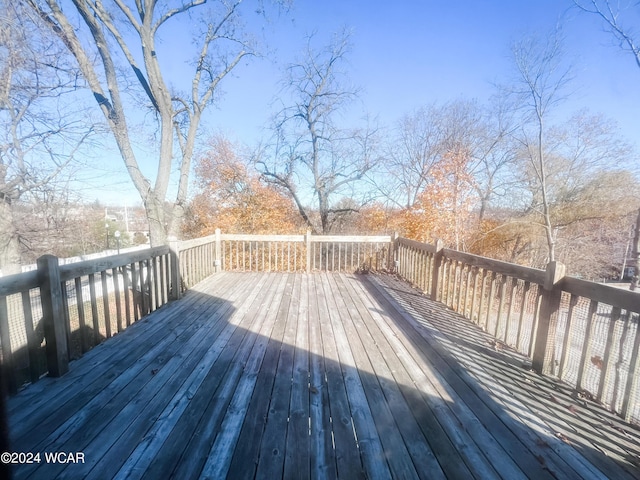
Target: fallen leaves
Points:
(597, 361)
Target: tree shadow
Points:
(503, 380)
(295, 376)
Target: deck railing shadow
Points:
(303, 385)
(543, 413)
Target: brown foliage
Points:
(443, 208)
(233, 198)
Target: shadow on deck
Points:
(312, 376)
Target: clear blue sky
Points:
(411, 53)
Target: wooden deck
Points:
(269, 375)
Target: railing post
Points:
(307, 241)
(55, 330)
(545, 335)
(218, 260)
(437, 265)
(176, 281)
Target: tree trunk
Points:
(156, 216)
(9, 243)
(635, 255)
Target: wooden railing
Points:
(583, 332)
(288, 253)
(58, 312)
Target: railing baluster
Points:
(631, 389)
(512, 297)
(7, 353)
(116, 291)
(33, 343)
(523, 309)
(81, 318)
(605, 373)
(501, 299)
(568, 336)
(94, 309)
(105, 304)
(586, 346)
(127, 296)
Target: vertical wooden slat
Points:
(116, 293)
(162, 269)
(156, 281)
(467, 287)
(33, 343)
(605, 374)
(244, 260)
(127, 295)
(481, 303)
(523, 310)
(93, 298)
(137, 294)
(455, 275)
(501, 300)
(84, 346)
(66, 318)
(492, 295)
(631, 389)
(446, 282)
(7, 355)
(105, 304)
(586, 346)
(568, 337)
(474, 294)
(512, 298)
(144, 297)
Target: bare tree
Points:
(541, 80)
(311, 154)
(628, 41)
(494, 154)
(41, 128)
(422, 140)
(120, 45)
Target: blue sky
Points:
(411, 53)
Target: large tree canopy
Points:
(312, 152)
(41, 126)
(170, 57)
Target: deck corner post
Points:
(218, 259)
(437, 265)
(55, 330)
(545, 335)
(176, 283)
(307, 241)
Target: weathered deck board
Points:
(269, 375)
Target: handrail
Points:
(528, 274)
(17, 282)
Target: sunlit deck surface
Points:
(273, 375)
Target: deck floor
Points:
(273, 375)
